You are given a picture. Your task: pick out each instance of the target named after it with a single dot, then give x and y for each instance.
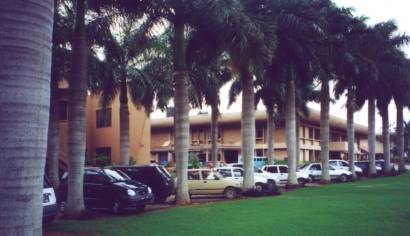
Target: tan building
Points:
(162, 138)
(103, 130)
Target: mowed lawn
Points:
(374, 207)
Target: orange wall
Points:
(110, 136)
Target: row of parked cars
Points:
(119, 188)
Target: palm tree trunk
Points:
(291, 132)
(124, 125)
(350, 130)
(214, 135)
(76, 116)
(25, 45)
(324, 130)
(400, 136)
(53, 140)
(386, 138)
(181, 117)
(271, 130)
(248, 129)
(297, 137)
(372, 136)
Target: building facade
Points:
(103, 129)
(229, 142)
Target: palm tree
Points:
(123, 55)
(299, 25)
(76, 115)
(24, 116)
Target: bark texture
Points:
(53, 140)
(291, 132)
(350, 131)
(124, 125)
(248, 129)
(400, 136)
(76, 117)
(386, 138)
(181, 117)
(297, 116)
(324, 130)
(25, 45)
(271, 131)
(214, 136)
(372, 136)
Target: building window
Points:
(103, 151)
(63, 110)
(259, 152)
(317, 134)
(103, 118)
(259, 132)
(311, 135)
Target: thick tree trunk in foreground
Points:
(271, 130)
(124, 125)
(400, 136)
(291, 132)
(181, 117)
(25, 45)
(372, 136)
(297, 115)
(53, 140)
(248, 129)
(324, 130)
(76, 117)
(386, 138)
(350, 131)
(214, 136)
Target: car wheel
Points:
(302, 182)
(311, 179)
(230, 193)
(343, 178)
(161, 199)
(259, 188)
(116, 208)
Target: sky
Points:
(377, 11)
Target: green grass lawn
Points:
(373, 207)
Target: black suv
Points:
(109, 189)
(155, 176)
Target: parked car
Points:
(314, 170)
(208, 182)
(364, 165)
(342, 164)
(155, 176)
(380, 163)
(50, 207)
(259, 172)
(109, 189)
(281, 171)
(262, 185)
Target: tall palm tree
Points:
(123, 55)
(76, 115)
(24, 116)
(299, 25)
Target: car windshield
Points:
(257, 170)
(115, 175)
(163, 172)
(304, 166)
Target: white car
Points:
(259, 172)
(49, 202)
(282, 172)
(314, 170)
(262, 184)
(342, 164)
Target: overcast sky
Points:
(377, 11)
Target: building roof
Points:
(229, 118)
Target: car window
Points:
(331, 168)
(237, 173)
(225, 172)
(272, 169)
(315, 167)
(93, 177)
(283, 169)
(193, 175)
(208, 175)
(344, 164)
(333, 163)
(115, 175)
